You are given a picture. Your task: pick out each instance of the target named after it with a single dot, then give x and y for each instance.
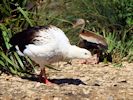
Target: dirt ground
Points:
(73, 82)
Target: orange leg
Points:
(43, 77)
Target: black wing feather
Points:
(25, 37)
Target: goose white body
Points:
(50, 48)
(47, 45)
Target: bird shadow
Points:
(69, 81)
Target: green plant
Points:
(112, 19)
(13, 19)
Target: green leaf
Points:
(8, 60)
(25, 15)
(2, 63)
(19, 61)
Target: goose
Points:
(46, 45)
(90, 41)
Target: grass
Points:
(110, 18)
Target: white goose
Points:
(46, 45)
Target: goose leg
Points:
(43, 76)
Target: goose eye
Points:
(85, 53)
